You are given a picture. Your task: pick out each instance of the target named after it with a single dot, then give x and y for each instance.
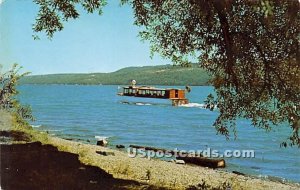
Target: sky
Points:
(91, 43)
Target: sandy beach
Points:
(112, 170)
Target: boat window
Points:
(163, 93)
(141, 92)
(133, 90)
(130, 91)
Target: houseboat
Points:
(177, 96)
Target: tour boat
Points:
(177, 96)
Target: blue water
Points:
(83, 112)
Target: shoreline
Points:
(153, 172)
(124, 150)
(112, 148)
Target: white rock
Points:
(179, 161)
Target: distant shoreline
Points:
(107, 84)
(163, 75)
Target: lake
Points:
(83, 112)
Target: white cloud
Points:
(1, 1)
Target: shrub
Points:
(8, 92)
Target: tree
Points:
(251, 49)
(52, 13)
(8, 92)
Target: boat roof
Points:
(150, 88)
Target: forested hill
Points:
(148, 75)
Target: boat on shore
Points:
(176, 95)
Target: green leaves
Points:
(91, 5)
(249, 47)
(52, 14)
(8, 91)
(266, 8)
